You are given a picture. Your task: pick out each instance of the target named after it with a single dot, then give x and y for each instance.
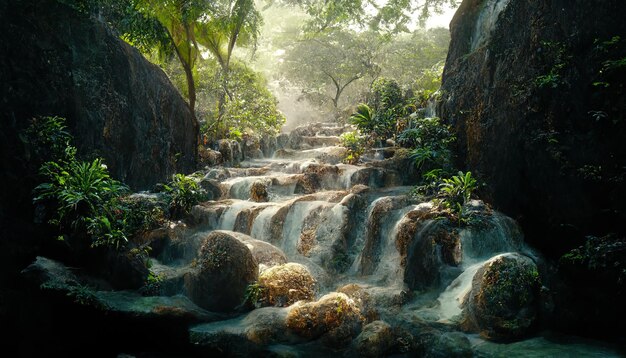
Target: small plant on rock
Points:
(457, 191)
(355, 143)
(254, 296)
(184, 193)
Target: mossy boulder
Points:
(286, 284)
(503, 301)
(224, 269)
(376, 340)
(335, 319)
(265, 254)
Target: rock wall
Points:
(535, 92)
(56, 61)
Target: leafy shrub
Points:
(458, 190)
(183, 193)
(249, 107)
(355, 144)
(385, 108)
(79, 189)
(431, 141)
(49, 138)
(386, 94)
(84, 198)
(431, 181)
(363, 118)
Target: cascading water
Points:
(486, 21)
(376, 237)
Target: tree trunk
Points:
(191, 89)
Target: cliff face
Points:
(55, 61)
(535, 93)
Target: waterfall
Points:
(486, 21)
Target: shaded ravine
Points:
(332, 258)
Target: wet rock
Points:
(334, 318)
(435, 243)
(262, 326)
(265, 254)
(117, 104)
(169, 280)
(208, 157)
(123, 269)
(317, 141)
(245, 219)
(333, 155)
(286, 284)
(363, 300)
(376, 340)
(503, 133)
(268, 145)
(375, 236)
(436, 344)
(212, 188)
(231, 151)
(408, 227)
(207, 215)
(82, 289)
(258, 192)
(252, 148)
(218, 174)
(328, 175)
(400, 167)
(284, 153)
(375, 177)
(50, 272)
(282, 140)
(308, 183)
(224, 269)
(503, 301)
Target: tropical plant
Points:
(184, 193)
(363, 118)
(49, 138)
(250, 108)
(355, 143)
(105, 232)
(431, 141)
(84, 198)
(79, 188)
(458, 190)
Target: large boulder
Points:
(118, 104)
(335, 318)
(539, 113)
(376, 340)
(286, 284)
(504, 300)
(224, 269)
(265, 254)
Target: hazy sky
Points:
(442, 20)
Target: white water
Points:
(486, 21)
(261, 226)
(294, 223)
(452, 297)
(389, 270)
(229, 216)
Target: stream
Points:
(356, 226)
